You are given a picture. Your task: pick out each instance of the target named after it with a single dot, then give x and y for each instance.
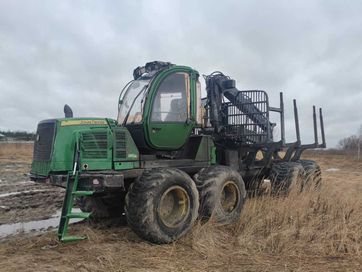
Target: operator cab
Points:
(159, 107)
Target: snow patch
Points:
(332, 169)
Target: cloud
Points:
(83, 52)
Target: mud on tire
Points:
(312, 176)
(222, 194)
(105, 211)
(253, 186)
(162, 205)
(284, 176)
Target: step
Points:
(79, 215)
(82, 193)
(66, 239)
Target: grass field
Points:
(312, 231)
(16, 151)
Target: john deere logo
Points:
(82, 122)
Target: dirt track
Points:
(300, 233)
(22, 200)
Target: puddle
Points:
(332, 169)
(3, 183)
(22, 192)
(26, 182)
(34, 226)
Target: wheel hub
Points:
(174, 206)
(229, 196)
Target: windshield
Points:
(131, 103)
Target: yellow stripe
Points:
(82, 122)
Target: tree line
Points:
(352, 144)
(18, 135)
(349, 143)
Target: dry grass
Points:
(312, 231)
(310, 224)
(16, 151)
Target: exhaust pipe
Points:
(68, 113)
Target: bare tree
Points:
(352, 144)
(348, 143)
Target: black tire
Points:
(219, 185)
(284, 176)
(253, 186)
(106, 211)
(312, 176)
(146, 211)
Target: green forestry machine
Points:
(170, 157)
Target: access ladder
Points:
(67, 214)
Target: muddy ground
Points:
(326, 238)
(21, 200)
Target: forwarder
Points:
(170, 157)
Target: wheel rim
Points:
(174, 206)
(229, 196)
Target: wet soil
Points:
(22, 200)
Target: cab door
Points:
(171, 114)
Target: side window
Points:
(172, 101)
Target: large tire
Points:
(105, 211)
(284, 176)
(253, 185)
(312, 176)
(162, 205)
(222, 194)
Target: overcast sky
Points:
(83, 52)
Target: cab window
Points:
(172, 103)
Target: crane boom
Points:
(219, 86)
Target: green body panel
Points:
(129, 148)
(97, 147)
(126, 165)
(40, 168)
(125, 151)
(204, 152)
(65, 140)
(169, 136)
